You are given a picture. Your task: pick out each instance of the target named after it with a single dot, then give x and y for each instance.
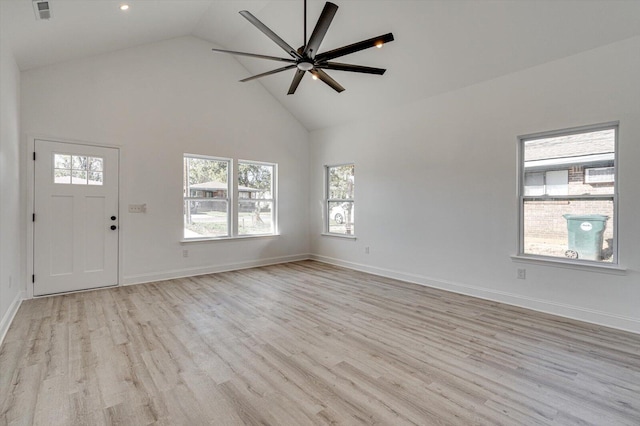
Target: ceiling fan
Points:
(306, 58)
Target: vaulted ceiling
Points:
(441, 45)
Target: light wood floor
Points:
(307, 343)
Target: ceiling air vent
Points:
(41, 8)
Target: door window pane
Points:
(78, 169)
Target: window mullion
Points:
(568, 197)
(233, 192)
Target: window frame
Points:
(233, 199)
(327, 200)
(615, 263)
(273, 199)
(228, 199)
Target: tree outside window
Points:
(340, 199)
(256, 199)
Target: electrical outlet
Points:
(522, 274)
(366, 250)
(185, 253)
(137, 208)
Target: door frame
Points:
(30, 169)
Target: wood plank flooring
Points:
(306, 343)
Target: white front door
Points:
(76, 217)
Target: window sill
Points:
(239, 237)
(348, 237)
(605, 268)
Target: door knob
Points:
(113, 227)
(113, 218)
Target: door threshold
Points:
(62, 293)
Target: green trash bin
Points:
(585, 235)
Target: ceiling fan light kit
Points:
(306, 58)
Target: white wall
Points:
(436, 185)
(11, 279)
(157, 102)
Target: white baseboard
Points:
(7, 319)
(560, 309)
(190, 272)
(568, 311)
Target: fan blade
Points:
(348, 67)
(254, 55)
(288, 67)
(320, 30)
(297, 78)
(328, 80)
(355, 47)
(273, 36)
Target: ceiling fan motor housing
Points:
(305, 65)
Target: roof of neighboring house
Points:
(580, 145)
(219, 186)
(593, 160)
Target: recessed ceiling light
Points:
(124, 7)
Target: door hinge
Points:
(33, 278)
(34, 156)
(33, 218)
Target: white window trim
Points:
(328, 200)
(588, 265)
(334, 235)
(558, 261)
(214, 239)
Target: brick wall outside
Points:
(577, 185)
(546, 228)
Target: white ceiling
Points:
(441, 45)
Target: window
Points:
(553, 182)
(339, 199)
(256, 199)
(600, 175)
(206, 197)
(77, 169)
(568, 194)
(210, 185)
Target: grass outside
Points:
(340, 228)
(558, 248)
(214, 224)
